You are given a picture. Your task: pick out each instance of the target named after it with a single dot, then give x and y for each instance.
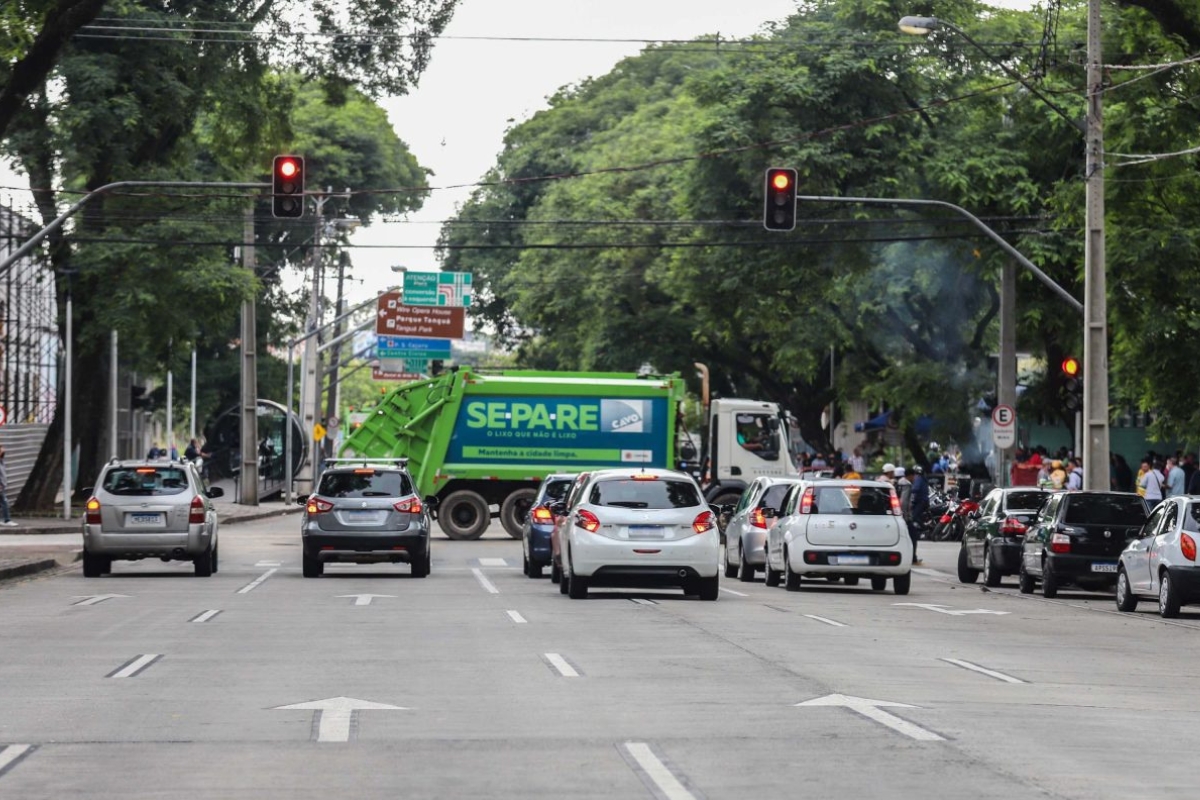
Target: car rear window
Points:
(556, 490)
(857, 500)
(1025, 501)
(657, 493)
(1191, 520)
(1100, 510)
(364, 483)
(774, 495)
(145, 481)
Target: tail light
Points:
(894, 499)
(410, 506)
(318, 506)
(92, 515)
(705, 521)
(1060, 543)
(196, 511)
(1188, 545)
(587, 520)
(806, 501)
(1014, 527)
(542, 514)
(757, 519)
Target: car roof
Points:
(850, 482)
(147, 462)
(560, 476)
(618, 473)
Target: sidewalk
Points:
(37, 544)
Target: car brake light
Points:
(587, 520)
(758, 519)
(895, 501)
(1060, 543)
(410, 506)
(318, 506)
(542, 514)
(1188, 545)
(196, 512)
(705, 521)
(641, 476)
(806, 501)
(145, 470)
(361, 471)
(1013, 527)
(92, 516)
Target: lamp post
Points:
(1095, 444)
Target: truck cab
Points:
(745, 439)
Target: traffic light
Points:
(287, 186)
(779, 211)
(1072, 372)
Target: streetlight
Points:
(1095, 444)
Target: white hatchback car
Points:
(1162, 561)
(847, 529)
(752, 517)
(651, 527)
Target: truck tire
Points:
(464, 515)
(515, 509)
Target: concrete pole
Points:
(1006, 370)
(169, 433)
(1095, 445)
(248, 405)
(310, 397)
(112, 397)
(192, 424)
(68, 409)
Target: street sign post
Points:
(1004, 426)
(449, 289)
(390, 347)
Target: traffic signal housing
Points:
(1072, 375)
(287, 187)
(779, 209)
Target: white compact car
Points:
(640, 528)
(846, 529)
(752, 517)
(1161, 562)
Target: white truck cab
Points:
(746, 439)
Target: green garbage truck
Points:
(481, 441)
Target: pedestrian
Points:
(1176, 480)
(889, 474)
(155, 452)
(7, 521)
(919, 504)
(856, 460)
(1074, 477)
(174, 452)
(1058, 475)
(904, 491)
(1151, 483)
(192, 451)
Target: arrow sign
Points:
(873, 709)
(365, 599)
(336, 715)
(93, 599)
(952, 612)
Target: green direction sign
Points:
(451, 289)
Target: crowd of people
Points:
(1158, 476)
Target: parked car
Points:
(642, 528)
(538, 525)
(150, 509)
(841, 529)
(366, 512)
(560, 524)
(991, 542)
(749, 521)
(1077, 539)
(1161, 561)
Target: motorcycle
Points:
(953, 521)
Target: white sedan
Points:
(845, 529)
(1161, 561)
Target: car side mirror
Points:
(215, 491)
(558, 509)
(431, 501)
(301, 501)
(769, 513)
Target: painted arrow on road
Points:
(337, 714)
(93, 599)
(873, 709)
(364, 599)
(953, 612)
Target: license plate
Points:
(647, 531)
(362, 516)
(1104, 567)
(145, 519)
(850, 561)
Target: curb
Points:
(29, 567)
(74, 528)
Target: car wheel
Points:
(745, 570)
(878, 584)
(204, 564)
(216, 559)
(708, 588)
(851, 580)
(535, 570)
(464, 515)
(555, 573)
(902, 583)
(965, 573)
(730, 569)
(1168, 598)
(525, 565)
(792, 579)
(515, 509)
(577, 585)
(1126, 600)
(420, 569)
(563, 583)
(1025, 581)
(93, 566)
(1049, 580)
(313, 568)
(991, 573)
(772, 576)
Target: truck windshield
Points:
(645, 494)
(365, 484)
(755, 435)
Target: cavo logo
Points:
(624, 416)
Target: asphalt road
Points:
(177, 687)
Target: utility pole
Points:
(192, 424)
(248, 404)
(112, 396)
(1006, 369)
(1095, 333)
(331, 401)
(310, 394)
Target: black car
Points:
(992, 540)
(1077, 540)
(366, 512)
(539, 523)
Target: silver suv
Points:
(150, 509)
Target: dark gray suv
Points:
(366, 512)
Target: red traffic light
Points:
(779, 211)
(781, 181)
(288, 167)
(1071, 367)
(287, 187)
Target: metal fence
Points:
(29, 340)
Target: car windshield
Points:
(365, 483)
(1025, 501)
(654, 493)
(145, 481)
(1106, 510)
(857, 500)
(556, 490)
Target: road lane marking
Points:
(516, 617)
(827, 621)
(559, 663)
(363, 599)
(93, 599)
(873, 710)
(492, 562)
(1000, 676)
(11, 755)
(205, 616)
(952, 612)
(731, 591)
(484, 582)
(335, 716)
(135, 666)
(269, 564)
(652, 768)
(642, 601)
(254, 584)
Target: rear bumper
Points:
(1186, 580)
(807, 559)
(1071, 568)
(591, 553)
(644, 577)
(180, 545)
(538, 538)
(367, 548)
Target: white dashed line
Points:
(642, 601)
(269, 564)
(254, 584)
(516, 617)
(731, 591)
(135, 666)
(492, 562)
(10, 755)
(205, 616)
(827, 621)
(991, 673)
(657, 772)
(559, 663)
(484, 582)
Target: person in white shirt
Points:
(1152, 483)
